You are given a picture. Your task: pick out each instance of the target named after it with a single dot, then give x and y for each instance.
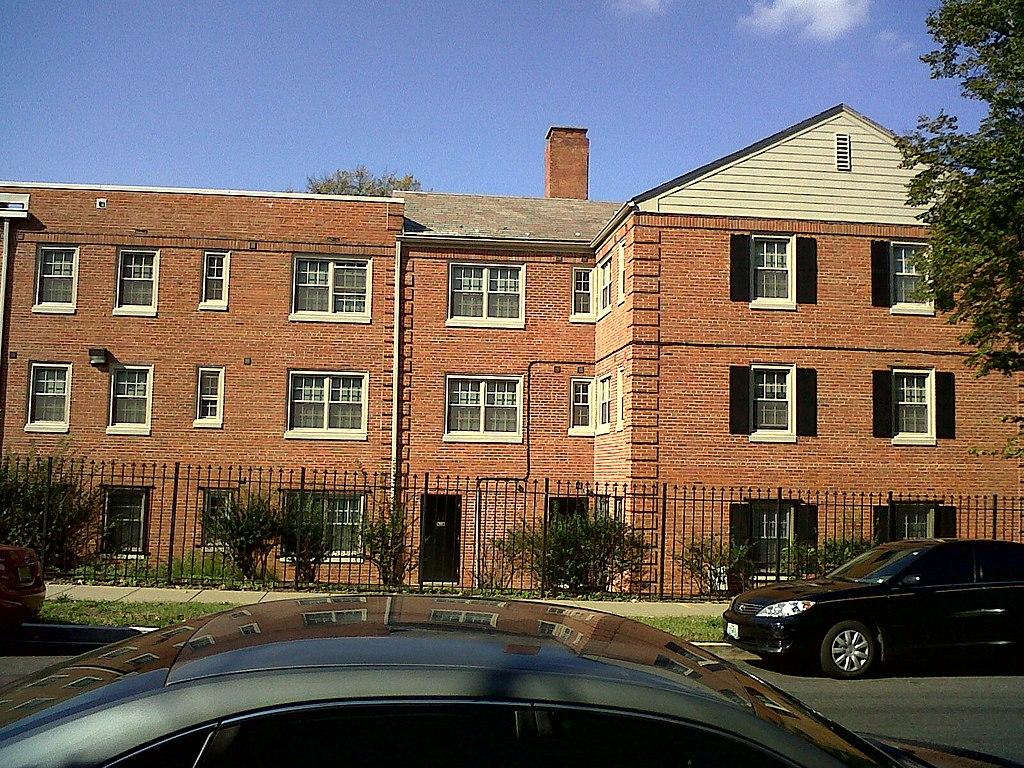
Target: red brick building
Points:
(755, 322)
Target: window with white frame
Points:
(622, 272)
(131, 399)
(620, 393)
(773, 409)
(332, 289)
(604, 403)
(209, 398)
(582, 294)
(49, 404)
(216, 269)
(484, 409)
(56, 279)
(774, 278)
(138, 278)
(913, 401)
(339, 514)
(124, 521)
(327, 405)
(581, 417)
(908, 280)
(216, 505)
(486, 295)
(604, 284)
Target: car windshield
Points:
(877, 565)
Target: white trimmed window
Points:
(582, 295)
(581, 413)
(327, 406)
(216, 270)
(485, 409)
(333, 290)
(604, 404)
(49, 404)
(138, 280)
(773, 403)
(209, 398)
(341, 515)
(131, 399)
(604, 285)
(622, 271)
(907, 280)
(486, 295)
(914, 405)
(124, 521)
(773, 272)
(620, 394)
(56, 280)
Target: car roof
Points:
(321, 647)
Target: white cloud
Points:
(648, 7)
(814, 19)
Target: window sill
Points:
(329, 317)
(603, 313)
(54, 309)
(784, 306)
(139, 430)
(52, 428)
(911, 439)
(353, 558)
(772, 437)
(581, 432)
(325, 434)
(482, 437)
(483, 322)
(208, 424)
(603, 429)
(582, 319)
(212, 306)
(134, 312)
(926, 310)
(125, 555)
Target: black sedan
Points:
(898, 598)
(417, 680)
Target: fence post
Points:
(544, 538)
(46, 514)
(301, 513)
(778, 536)
(174, 520)
(995, 516)
(661, 559)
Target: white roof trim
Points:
(190, 191)
(13, 206)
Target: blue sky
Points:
(461, 93)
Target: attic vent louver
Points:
(844, 161)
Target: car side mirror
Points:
(911, 580)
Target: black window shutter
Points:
(739, 400)
(883, 524)
(741, 524)
(806, 402)
(881, 276)
(807, 524)
(881, 385)
(945, 522)
(806, 270)
(739, 268)
(945, 406)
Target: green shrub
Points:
(386, 535)
(804, 561)
(505, 558)
(54, 514)
(716, 568)
(305, 537)
(246, 531)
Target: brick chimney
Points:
(567, 163)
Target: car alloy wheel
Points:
(850, 650)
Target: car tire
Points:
(849, 650)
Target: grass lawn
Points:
(118, 614)
(699, 628)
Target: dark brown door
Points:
(439, 538)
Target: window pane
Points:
(56, 271)
(771, 404)
(345, 416)
(350, 286)
(213, 281)
(464, 399)
(125, 518)
(312, 285)
(503, 290)
(49, 394)
(137, 279)
(130, 396)
(581, 404)
(581, 292)
(912, 403)
(467, 292)
(307, 411)
(500, 412)
(771, 262)
(344, 520)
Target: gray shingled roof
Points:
(539, 218)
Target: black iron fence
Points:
(189, 525)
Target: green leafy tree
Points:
(361, 181)
(246, 531)
(973, 183)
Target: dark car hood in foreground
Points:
(810, 589)
(919, 753)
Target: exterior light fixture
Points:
(98, 356)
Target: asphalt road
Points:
(978, 709)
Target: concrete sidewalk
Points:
(246, 597)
